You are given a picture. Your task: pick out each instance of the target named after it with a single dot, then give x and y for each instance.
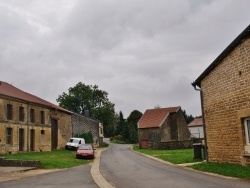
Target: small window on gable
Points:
(247, 130)
(9, 112)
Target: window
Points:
(9, 136)
(42, 117)
(32, 115)
(9, 112)
(21, 113)
(247, 131)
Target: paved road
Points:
(71, 178)
(123, 168)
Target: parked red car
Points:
(85, 151)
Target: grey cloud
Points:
(143, 53)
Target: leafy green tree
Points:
(88, 137)
(120, 124)
(134, 117)
(132, 121)
(83, 97)
(188, 118)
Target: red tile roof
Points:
(155, 117)
(196, 122)
(11, 91)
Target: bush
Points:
(88, 137)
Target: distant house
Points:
(82, 124)
(163, 124)
(29, 123)
(225, 91)
(196, 128)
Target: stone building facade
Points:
(225, 96)
(162, 125)
(82, 124)
(29, 123)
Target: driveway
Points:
(124, 168)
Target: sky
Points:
(144, 53)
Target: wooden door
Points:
(54, 134)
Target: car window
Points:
(85, 147)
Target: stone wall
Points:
(226, 97)
(42, 130)
(19, 163)
(64, 127)
(82, 124)
(187, 144)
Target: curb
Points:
(96, 174)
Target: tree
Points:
(120, 124)
(128, 128)
(188, 118)
(83, 97)
(134, 117)
(132, 121)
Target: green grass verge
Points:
(225, 169)
(51, 159)
(186, 156)
(174, 156)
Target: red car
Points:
(85, 151)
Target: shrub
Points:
(88, 137)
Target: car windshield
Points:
(85, 147)
(73, 141)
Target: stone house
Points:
(196, 128)
(29, 123)
(225, 98)
(82, 124)
(162, 125)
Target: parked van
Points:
(73, 143)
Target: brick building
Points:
(225, 97)
(82, 124)
(29, 123)
(163, 124)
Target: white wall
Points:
(196, 132)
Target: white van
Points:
(73, 143)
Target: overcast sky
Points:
(144, 53)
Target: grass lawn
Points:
(186, 156)
(173, 156)
(51, 159)
(225, 169)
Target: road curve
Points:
(122, 167)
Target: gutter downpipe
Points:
(204, 124)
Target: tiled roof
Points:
(155, 117)
(196, 122)
(11, 91)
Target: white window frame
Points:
(247, 130)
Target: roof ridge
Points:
(12, 91)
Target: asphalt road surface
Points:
(124, 168)
(77, 177)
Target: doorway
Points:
(54, 134)
(32, 140)
(21, 139)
